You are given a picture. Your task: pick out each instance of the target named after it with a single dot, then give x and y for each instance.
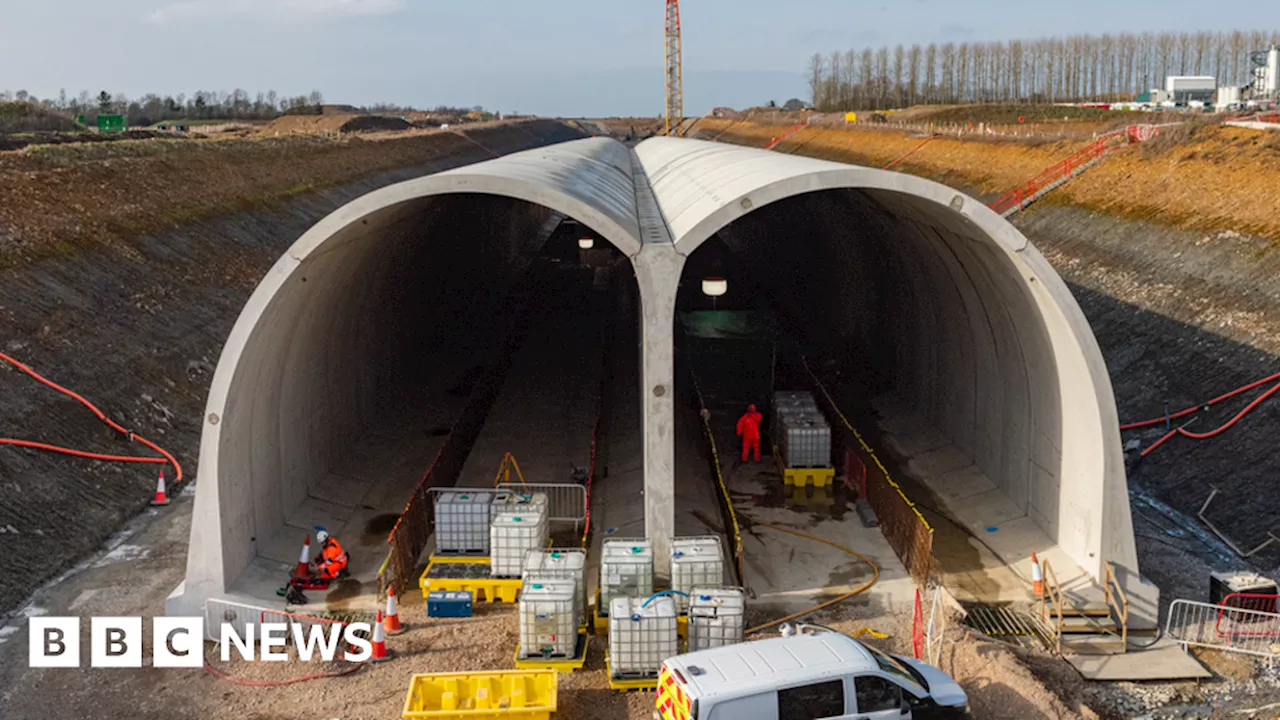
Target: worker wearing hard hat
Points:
(749, 430)
(333, 559)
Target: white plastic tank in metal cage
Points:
(512, 536)
(642, 633)
(696, 561)
(462, 523)
(563, 563)
(626, 570)
(717, 617)
(548, 625)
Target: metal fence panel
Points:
(1223, 627)
(566, 502)
(219, 612)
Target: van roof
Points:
(740, 669)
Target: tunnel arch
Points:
(656, 203)
(268, 429)
(1019, 318)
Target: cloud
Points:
(274, 9)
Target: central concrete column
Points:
(658, 268)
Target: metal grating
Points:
(1000, 622)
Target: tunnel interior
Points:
(387, 329)
(899, 302)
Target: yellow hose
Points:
(874, 568)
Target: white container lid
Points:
(571, 559)
(537, 588)
(709, 600)
(627, 550)
(695, 549)
(518, 519)
(459, 496)
(632, 607)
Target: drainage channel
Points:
(1001, 622)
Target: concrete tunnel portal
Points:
(939, 307)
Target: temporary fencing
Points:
(1192, 623)
(907, 531)
(219, 612)
(566, 502)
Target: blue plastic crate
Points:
(450, 603)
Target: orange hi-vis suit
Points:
(749, 429)
(333, 559)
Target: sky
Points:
(568, 58)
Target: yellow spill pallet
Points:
(620, 685)
(505, 694)
(801, 477)
(505, 590)
(559, 665)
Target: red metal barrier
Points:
(917, 628)
(1029, 190)
(785, 135)
(1245, 624)
(855, 473)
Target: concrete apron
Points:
(946, 483)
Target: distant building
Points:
(1185, 89)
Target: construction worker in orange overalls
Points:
(332, 560)
(749, 429)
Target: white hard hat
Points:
(322, 535)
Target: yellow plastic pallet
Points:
(505, 590)
(505, 694)
(565, 665)
(620, 685)
(802, 477)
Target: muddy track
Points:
(138, 332)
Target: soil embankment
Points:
(1171, 250)
(123, 267)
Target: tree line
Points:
(1077, 68)
(152, 108)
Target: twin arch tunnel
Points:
(942, 302)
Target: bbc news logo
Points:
(178, 642)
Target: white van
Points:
(804, 677)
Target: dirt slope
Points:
(113, 291)
(1199, 178)
(1170, 249)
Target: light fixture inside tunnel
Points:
(586, 243)
(714, 287)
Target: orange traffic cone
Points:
(379, 642)
(1037, 577)
(304, 560)
(392, 621)
(161, 497)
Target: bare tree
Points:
(816, 79)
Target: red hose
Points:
(1160, 442)
(1234, 420)
(177, 469)
(1197, 408)
(908, 154)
